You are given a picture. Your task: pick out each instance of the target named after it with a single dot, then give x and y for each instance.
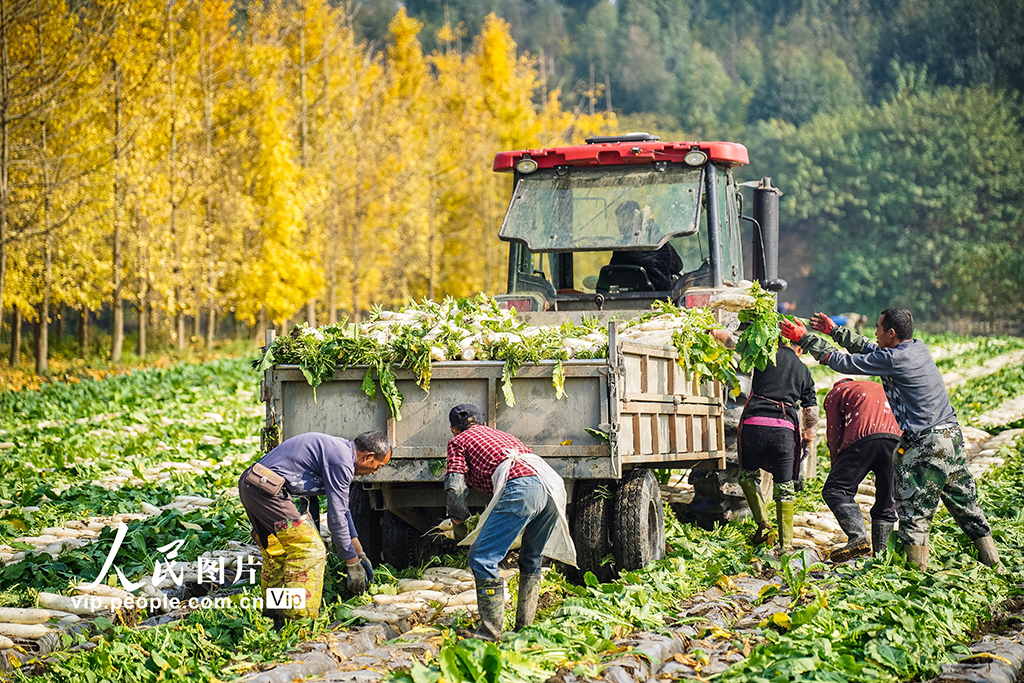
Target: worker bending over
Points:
(862, 435)
(307, 466)
(528, 498)
(929, 464)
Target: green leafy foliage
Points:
(759, 342)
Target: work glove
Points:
(455, 486)
(793, 331)
(367, 567)
(459, 531)
(822, 323)
(357, 582)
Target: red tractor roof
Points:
(623, 153)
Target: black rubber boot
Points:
(880, 531)
(529, 595)
(490, 602)
(852, 522)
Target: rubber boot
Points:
(526, 603)
(759, 511)
(880, 531)
(852, 522)
(784, 517)
(917, 555)
(987, 553)
(490, 602)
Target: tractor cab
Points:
(623, 221)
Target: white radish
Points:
(464, 598)
(150, 509)
(428, 596)
(103, 590)
(406, 585)
(82, 605)
(6, 643)
(65, 617)
(383, 599)
(26, 631)
(815, 522)
(812, 535)
(452, 572)
(375, 616)
(19, 615)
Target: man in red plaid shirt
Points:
(524, 506)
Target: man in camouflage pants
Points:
(929, 463)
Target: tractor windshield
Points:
(604, 209)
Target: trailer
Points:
(622, 419)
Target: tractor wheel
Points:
(368, 522)
(593, 507)
(400, 542)
(639, 529)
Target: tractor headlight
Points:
(526, 165)
(695, 157)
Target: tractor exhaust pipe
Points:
(766, 235)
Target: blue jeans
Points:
(524, 506)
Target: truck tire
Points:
(399, 542)
(368, 522)
(593, 507)
(639, 527)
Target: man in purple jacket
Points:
(305, 466)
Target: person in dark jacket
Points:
(862, 435)
(929, 465)
(771, 437)
(661, 264)
(306, 466)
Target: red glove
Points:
(822, 323)
(792, 331)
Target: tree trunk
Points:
(176, 269)
(143, 325)
(197, 324)
(15, 337)
(211, 322)
(261, 326)
(117, 304)
(432, 233)
(42, 331)
(304, 141)
(179, 329)
(145, 310)
(83, 333)
(58, 325)
(5, 151)
(332, 297)
(592, 96)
